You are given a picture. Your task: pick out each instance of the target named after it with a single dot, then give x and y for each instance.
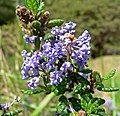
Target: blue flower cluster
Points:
(31, 68)
(52, 59)
(79, 48)
(67, 28)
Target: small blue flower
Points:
(66, 28)
(31, 65)
(66, 66)
(30, 39)
(56, 77)
(53, 51)
(81, 49)
(33, 83)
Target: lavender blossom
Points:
(33, 83)
(53, 51)
(31, 65)
(30, 39)
(66, 66)
(79, 48)
(56, 77)
(67, 28)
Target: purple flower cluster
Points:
(79, 47)
(57, 76)
(52, 58)
(52, 51)
(31, 67)
(67, 28)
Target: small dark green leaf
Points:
(49, 36)
(97, 77)
(78, 88)
(15, 113)
(55, 22)
(32, 5)
(87, 97)
(108, 89)
(60, 88)
(36, 25)
(100, 112)
(63, 99)
(62, 109)
(37, 43)
(34, 91)
(76, 104)
(86, 71)
(98, 101)
(110, 75)
(82, 80)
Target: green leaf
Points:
(100, 112)
(37, 43)
(32, 5)
(98, 101)
(63, 99)
(78, 88)
(76, 103)
(62, 109)
(98, 79)
(112, 89)
(34, 91)
(94, 104)
(87, 97)
(60, 88)
(41, 7)
(55, 22)
(36, 24)
(15, 113)
(48, 36)
(110, 75)
(86, 71)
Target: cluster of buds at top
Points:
(24, 14)
(32, 25)
(44, 17)
(26, 18)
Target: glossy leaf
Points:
(98, 79)
(37, 43)
(32, 5)
(110, 75)
(108, 89)
(76, 104)
(36, 24)
(55, 22)
(48, 36)
(62, 109)
(63, 99)
(34, 91)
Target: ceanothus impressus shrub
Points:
(57, 62)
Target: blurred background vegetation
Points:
(100, 17)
